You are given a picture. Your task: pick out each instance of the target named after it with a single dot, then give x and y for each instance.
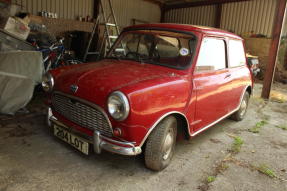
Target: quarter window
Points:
(236, 53)
(212, 55)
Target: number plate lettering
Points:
(71, 139)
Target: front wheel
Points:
(161, 144)
(240, 113)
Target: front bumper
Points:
(101, 142)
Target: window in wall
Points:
(236, 53)
(212, 55)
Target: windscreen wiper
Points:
(115, 57)
(148, 60)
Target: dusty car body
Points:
(157, 82)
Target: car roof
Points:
(186, 28)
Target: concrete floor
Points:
(32, 159)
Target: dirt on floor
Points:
(249, 155)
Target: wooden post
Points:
(218, 15)
(273, 52)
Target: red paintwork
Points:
(189, 28)
(153, 90)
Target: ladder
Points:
(108, 39)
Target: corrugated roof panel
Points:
(239, 17)
(256, 15)
(67, 9)
(126, 10)
(195, 15)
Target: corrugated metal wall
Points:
(241, 17)
(67, 9)
(126, 10)
(195, 15)
(256, 15)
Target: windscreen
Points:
(168, 49)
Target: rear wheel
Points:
(240, 114)
(160, 145)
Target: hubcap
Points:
(243, 107)
(167, 146)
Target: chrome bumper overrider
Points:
(100, 142)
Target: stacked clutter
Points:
(20, 71)
(21, 67)
(16, 26)
(14, 30)
(21, 27)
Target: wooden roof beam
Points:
(159, 3)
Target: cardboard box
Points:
(17, 27)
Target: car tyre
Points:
(160, 145)
(240, 113)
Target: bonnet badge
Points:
(74, 88)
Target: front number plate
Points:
(73, 140)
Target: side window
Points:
(236, 53)
(212, 55)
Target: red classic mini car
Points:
(157, 82)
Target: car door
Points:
(240, 74)
(211, 82)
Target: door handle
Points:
(227, 76)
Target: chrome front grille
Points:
(82, 113)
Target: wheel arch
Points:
(182, 124)
(249, 90)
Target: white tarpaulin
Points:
(20, 71)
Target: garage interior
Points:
(31, 159)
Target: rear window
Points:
(236, 53)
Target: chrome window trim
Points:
(88, 104)
(159, 120)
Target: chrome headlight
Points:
(47, 82)
(118, 106)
